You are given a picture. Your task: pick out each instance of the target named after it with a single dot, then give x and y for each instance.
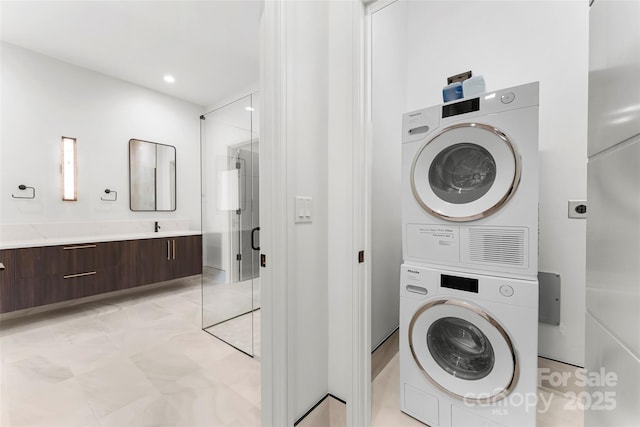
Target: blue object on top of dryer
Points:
(473, 86)
(470, 183)
(452, 91)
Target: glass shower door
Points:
(230, 225)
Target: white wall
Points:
(308, 58)
(319, 163)
(44, 99)
(512, 43)
(306, 175)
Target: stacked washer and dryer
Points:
(469, 287)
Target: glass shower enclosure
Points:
(229, 144)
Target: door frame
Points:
(276, 371)
(276, 213)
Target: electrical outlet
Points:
(577, 209)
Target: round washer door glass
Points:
(460, 348)
(463, 350)
(465, 172)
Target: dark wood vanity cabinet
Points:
(68, 272)
(20, 270)
(117, 264)
(187, 260)
(169, 258)
(44, 275)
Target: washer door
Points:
(463, 351)
(465, 172)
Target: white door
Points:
(465, 172)
(463, 351)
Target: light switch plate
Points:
(577, 209)
(303, 210)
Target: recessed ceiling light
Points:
(249, 108)
(169, 78)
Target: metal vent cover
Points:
(498, 246)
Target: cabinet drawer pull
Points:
(66, 248)
(71, 276)
(168, 249)
(174, 248)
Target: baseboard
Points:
(330, 411)
(383, 354)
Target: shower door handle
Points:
(253, 242)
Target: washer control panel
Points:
(424, 283)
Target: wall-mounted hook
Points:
(115, 195)
(24, 187)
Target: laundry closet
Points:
(410, 65)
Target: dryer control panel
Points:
(416, 125)
(462, 107)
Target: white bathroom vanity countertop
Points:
(55, 241)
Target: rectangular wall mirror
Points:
(152, 176)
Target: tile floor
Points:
(232, 310)
(224, 300)
(143, 360)
(242, 332)
(136, 360)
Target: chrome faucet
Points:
(156, 226)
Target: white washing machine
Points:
(470, 183)
(468, 348)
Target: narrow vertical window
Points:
(69, 169)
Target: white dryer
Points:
(470, 183)
(468, 348)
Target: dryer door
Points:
(465, 172)
(463, 351)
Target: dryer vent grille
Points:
(497, 246)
